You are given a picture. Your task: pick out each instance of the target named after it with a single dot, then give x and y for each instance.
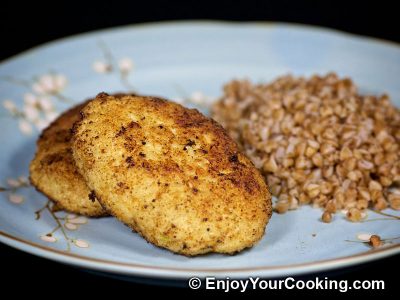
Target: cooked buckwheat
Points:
(318, 141)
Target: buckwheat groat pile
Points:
(317, 141)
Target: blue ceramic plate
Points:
(179, 60)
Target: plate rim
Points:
(184, 273)
(199, 22)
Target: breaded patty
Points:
(171, 174)
(53, 171)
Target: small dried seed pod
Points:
(354, 215)
(312, 190)
(317, 160)
(275, 189)
(310, 151)
(394, 201)
(331, 206)
(395, 204)
(326, 217)
(326, 188)
(339, 196)
(380, 204)
(304, 199)
(345, 153)
(271, 165)
(364, 194)
(288, 162)
(375, 241)
(362, 204)
(281, 207)
(374, 185)
(385, 181)
(352, 175)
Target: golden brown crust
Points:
(171, 174)
(53, 171)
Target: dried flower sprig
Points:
(110, 64)
(68, 222)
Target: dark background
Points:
(24, 25)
